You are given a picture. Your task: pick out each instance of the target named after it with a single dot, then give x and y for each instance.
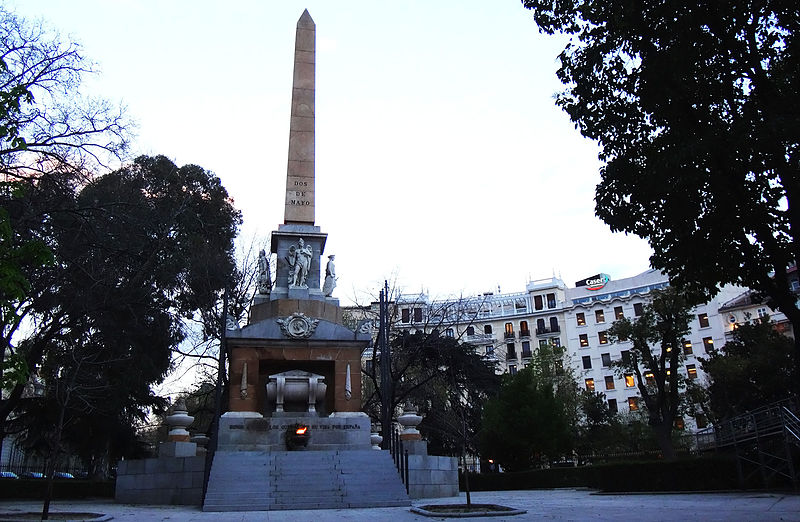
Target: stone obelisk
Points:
(300, 171)
(298, 242)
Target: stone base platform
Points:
(249, 431)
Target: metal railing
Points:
(399, 456)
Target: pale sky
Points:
(442, 160)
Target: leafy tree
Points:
(694, 106)
(445, 379)
(755, 368)
(137, 251)
(533, 419)
(655, 359)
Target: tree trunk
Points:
(665, 441)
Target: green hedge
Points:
(698, 474)
(62, 489)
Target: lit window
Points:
(599, 317)
(587, 362)
(708, 344)
(618, 313)
(633, 403)
(523, 328)
(580, 318)
(584, 340)
(590, 384)
(509, 330)
(470, 330)
(703, 320)
(612, 406)
(609, 382)
(650, 379)
(487, 329)
(691, 370)
(638, 309)
(679, 424)
(629, 383)
(687, 347)
(606, 359)
(602, 337)
(405, 315)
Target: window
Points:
(638, 309)
(511, 351)
(796, 285)
(537, 302)
(556, 342)
(703, 320)
(691, 371)
(618, 313)
(526, 348)
(606, 359)
(540, 326)
(523, 328)
(417, 315)
(650, 379)
(687, 347)
(609, 382)
(512, 369)
(679, 424)
(470, 330)
(761, 312)
(509, 330)
(590, 384)
(487, 329)
(701, 421)
(612, 406)
(633, 403)
(543, 343)
(602, 337)
(580, 318)
(405, 315)
(587, 362)
(629, 380)
(708, 344)
(489, 349)
(599, 316)
(449, 332)
(551, 300)
(626, 356)
(584, 340)
(554, 324)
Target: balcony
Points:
(524, 333)
(547, 331)
(511, 355)
(480, 339)
(508, 335)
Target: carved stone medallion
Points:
(298, 326)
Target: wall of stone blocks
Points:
(168, 481)
(431, 476)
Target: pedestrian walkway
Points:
(558, 504)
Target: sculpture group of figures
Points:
(299, 262)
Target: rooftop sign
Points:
(596, 282)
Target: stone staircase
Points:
(263, 481)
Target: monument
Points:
(293, 437)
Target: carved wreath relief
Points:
(298, 326)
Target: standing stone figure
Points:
(330, 277)
(264, 279)
(299, 260)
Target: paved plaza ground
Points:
(559, 504)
